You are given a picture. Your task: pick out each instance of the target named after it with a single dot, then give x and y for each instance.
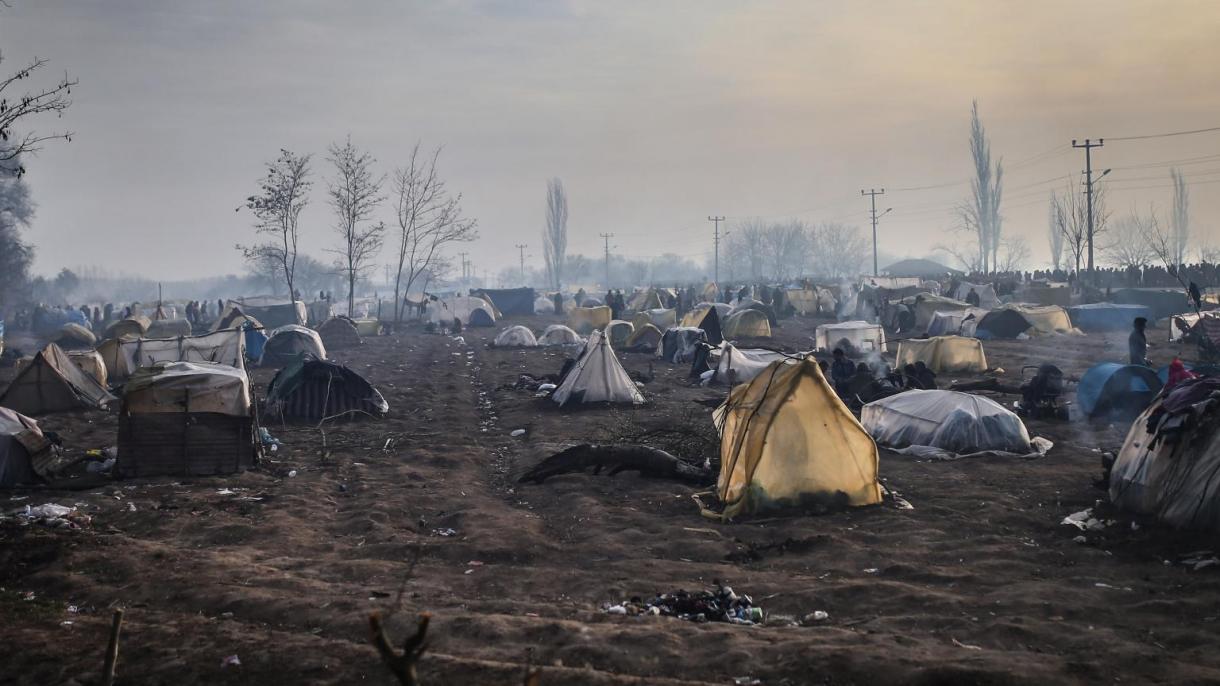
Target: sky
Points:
(654, 114)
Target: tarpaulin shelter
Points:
(52, 383)
(74, 337)
(710, 325)
(558, 334)
(169, 328)
(91, 363)
(858, 336)
(1204, 324)
(647, 299)
(948, 421)
(786, 440)
(699, 311)
(618, 331)
(926, 304)
(515, 337)
(1117, 390)
(290, 343)
(313, 390)
(544, 305)
(235, 317)
(585, 319)
(1168, 464)
(679, 344)
(646, 337)
(739, 365)
(984, 291)
(186, 418)
(274, 312)
(1014, 319)
(1107, 316)
(747, 323)
(944, 354)
(597, 377)
(123, 356)
(1161, 302)
(339, 333)
(508, 301)
(950, 322)
(804, 301)
(135, 326)
(661, 318)
(23, 449)
(467, 310)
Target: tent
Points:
(508, 300)
(647, 299)
(710, 292)
(597, 377)
(367, 327)
(339, 333)
(123, 356)
(737, 365)
(926, 305)
(1116, 390)
(1059, 295)
(1107, 316)
(23, 449)
(747, 323)
(91, 363)
(984, 291)
(481, 317)
(1168, 463)
(1161, 302)
(585, 319)
(679, 344)
(314, 390)
(544, 305)
(922, 269)
(132, 326)
(661, 318)
(74, 337)
(710, 324)
(804, 301)
(274, 312)
(52, 383)
(858, 336)
(234, 317)
(515, 337)
(289, 343)
(787, 440)
(464, 309)
(186, 418)
(168, 328)
(944, 354)
(950, 321)
(699, 311)
(558, 334)
(646, 337)
(619, 331)
(1014, 319)
(948, 421)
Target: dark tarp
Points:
(339, 333)
(711, 327)
(312, 390)
(481, 317)
(1162, 302)
(1107, 316)
(1002, 324)
(509, 300)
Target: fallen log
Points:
(649, 462)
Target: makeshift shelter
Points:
(804, 301)
(135, 326)
(339, 333)
(597, 377)
(1199, 325)
(646, 337)
(856, 336)
(944, 422)
(24, 451)
(123, 356)
(584, 320)
(647, 299)
(274, 312)
(661, 318)
(679, 344)
(922, 269)
(508, 301)
(894, 283)
(944, 354)
(367, 327)
(925, 305)
(234, 317)
(544, 305)
(91, 363)
(169, 328)
(984, 291)
(740, 365)
(1107, 316)
(52, 383)
(1119, 391)
(710, 324)
(515, 337)
(698, 312)
(74, 337)
(558, 334)
(1014, 319)
(1060, 295)
(786, 440)
(314, 390)
(186, 419)
(618, 331)
(1168, 463)
(469, 311)
(1161, 302)
(747, 323)
(290, 343)
(950, 322)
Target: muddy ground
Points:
(979, 583)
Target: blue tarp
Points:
(1122, 390)
(1107, 316)
(255, 340)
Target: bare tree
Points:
(555, 235)
(1179, 220)
(428, 220)
(980, 215)
(786, 247)
(1054, 232)
(354, 194)
(285, 192)
(838, 250)
(1072, 215)
(746, 243)
(1013, 256)
(16, 255)
(17, 108)
(1129, 243)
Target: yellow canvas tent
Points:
(584, 319)
(803, 300)
(618, 331)
(787, 440)
(947, 354)
(645, 336)
(52, 383)
(747, 323)
(661, 318)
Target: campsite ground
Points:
(979, 583)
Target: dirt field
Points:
(979, 583)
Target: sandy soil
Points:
(979, 583)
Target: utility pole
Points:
(716, 243)
(1088, 146)
(872, 193)
(606, 237)
(462, 256)
(521, 248)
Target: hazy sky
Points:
(654, 114)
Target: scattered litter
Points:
(267, 439)
(1081, 539)
(292, 473)
(100, 467)
(444, 532)
(871, 570)
(226, 491)
(967, 646)
(230, 661)
(816, 616)
(1084, 520)
(53, 516)
(1116, 588)
(1199, 559)
(517, 432)
(546, 387)
(746, 681)
(131, 507)
(720, 604)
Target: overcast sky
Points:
(654, 114)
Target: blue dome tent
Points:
(1117, 390)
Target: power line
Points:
(521, 248)
(872, 194)
(606, 237)
(716, 242)
(1166, 135)
(1088, 146)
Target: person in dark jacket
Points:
(1137, 343)
(558, 300)
(841, 371)
(927, 378)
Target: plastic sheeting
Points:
(661, 318)
(597, 377)
(1107, 316)
(558, 334)
(223, 347)
(515, 337)
(188, 387)
(860, 336)
(787, 440)
(1121, 390)
(52, 383)
(944, 354)
(738, 365)
(957, 423)
(679, 344)
(950, 322)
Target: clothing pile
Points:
(720, 604)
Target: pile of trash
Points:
(52, 516)
(720, 604)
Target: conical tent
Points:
(597, 377)
(52, 383)
(787, 440)
(710, 323)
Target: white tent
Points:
(544, 305)
(558, 334)
(515, 337)
(737, 366)
(444, 311)
(984, 291)
(949, 322)
(943, 424)
(124, 356)
(597, 377)
(944, 354)
(860, 336)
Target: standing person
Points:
(558, 300)
(1137, 343)
(841, 371)
(220, 307)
